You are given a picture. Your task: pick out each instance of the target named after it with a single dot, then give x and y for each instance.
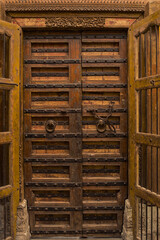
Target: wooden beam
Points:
(148, 195)
(132, 126)
(6, 83)
(148, 139)
(147, 82)
(5, 191)
(5, 137)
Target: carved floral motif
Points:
(75, 22)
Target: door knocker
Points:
(101, 125)
(104, 121)
(50, 126)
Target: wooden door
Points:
(104, 93)
(75, 157)
(9, 128)
(144, 141)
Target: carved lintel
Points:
(75, 5)
(75, 22)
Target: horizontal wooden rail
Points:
(147, 82)
(5, 191)
(7, 83)
(5, 137)
(148, 139)
(147, 195)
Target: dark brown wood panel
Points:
(75, 121)
(104, 63)
(52, 174)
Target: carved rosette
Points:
(75, 22)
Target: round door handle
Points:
(50, 126)
(101, 126)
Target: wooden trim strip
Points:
(148, 195)
(148, 139)
(5, 137)
(5, 191)
(7, 82)
(7, 86)
(132, 126)
(147, 82)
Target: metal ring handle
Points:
(101, 126)
(50, 126)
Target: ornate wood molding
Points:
(75, 5)
(78, 23)
(75, 22)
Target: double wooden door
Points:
(75, 132)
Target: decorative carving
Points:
(22, 226)
(78, 1)
(75, 22)
(76, 5)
